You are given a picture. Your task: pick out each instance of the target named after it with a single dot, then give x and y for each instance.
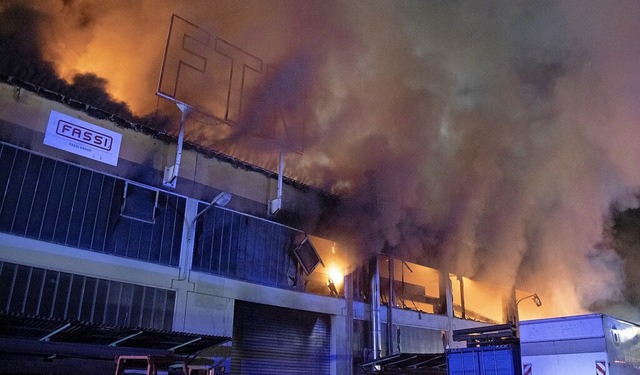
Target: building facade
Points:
(84, 240)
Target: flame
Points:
(335, 274)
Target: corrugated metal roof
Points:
(407, 363)
(42, 329)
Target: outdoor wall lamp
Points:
(534, 297)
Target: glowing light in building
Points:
(335, 274)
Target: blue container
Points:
(485, 360)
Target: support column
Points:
(348, 296)
(462, 297)
(446, 281)
(510, 309)
(375, 308)
(182, 285)
(342, 334)
(340, 348)
(390, 306)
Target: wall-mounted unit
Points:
(307, 256)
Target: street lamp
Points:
(533, 296)
(535, 299)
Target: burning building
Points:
(100, 258)
(244, 203)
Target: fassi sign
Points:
(82, 138)
(87, 136)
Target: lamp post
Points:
(535, 299)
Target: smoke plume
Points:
(491, 138)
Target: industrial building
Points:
(101, 256)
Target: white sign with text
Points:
(82, 138)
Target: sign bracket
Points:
(171, 171)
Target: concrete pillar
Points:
(510, 308)
(342, 334)
(375, 308)
(182, 285)
(348, 296)
(340, 348)
(390, 307)
(446, 280)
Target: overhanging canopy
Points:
(407, 363)
(26, 334)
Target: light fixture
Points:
(537, 300)
(534, 297)
(221, 200)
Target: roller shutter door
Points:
(275, 340)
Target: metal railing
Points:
(57, 202)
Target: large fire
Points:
(489, 137)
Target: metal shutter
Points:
(275, 340)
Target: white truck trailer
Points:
(584, 344)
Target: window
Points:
(307, 256)
(139, 203)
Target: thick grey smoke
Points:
(489, 137)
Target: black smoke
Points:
(22, 63)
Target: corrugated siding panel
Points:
(408, 339)
(57, 202)
(61, 295)
(275, 340)
(242, 247)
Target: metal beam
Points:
(185, 344)
(115, 343)
(50, 335)
(171, 172)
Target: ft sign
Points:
(217, 79)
